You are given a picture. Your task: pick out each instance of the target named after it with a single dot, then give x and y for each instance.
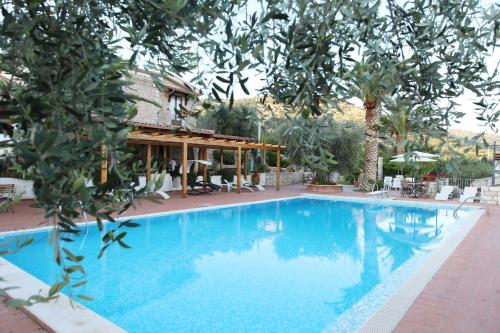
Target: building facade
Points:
(167, 102)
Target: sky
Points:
(467, 123)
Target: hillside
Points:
(490, 138)
(270, 108)
(349, 112)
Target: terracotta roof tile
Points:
(200, 132)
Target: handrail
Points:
(485, 205)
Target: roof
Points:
(176, 136)
(193, 132)
(172, 82)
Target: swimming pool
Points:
(297, 265)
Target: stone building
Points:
(167, 102)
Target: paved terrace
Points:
(464, 296)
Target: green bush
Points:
(228, 156)
(393, 169)
(468, 168)
(271, 159)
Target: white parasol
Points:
(417, 154)
(191, 162)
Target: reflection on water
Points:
(291, 266)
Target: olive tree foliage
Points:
(68, 95)
(320, 143)
(68, 89)
(240, 120)
(427, 52)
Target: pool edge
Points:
(170, 212)
(54, 315)
(58, 315)
(51, 311)
(388, 316)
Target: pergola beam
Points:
(186, 141)
(144, 138)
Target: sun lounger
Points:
(445, 193)
(246, 183)
(230, 186)
(259, 187)
(143, 183)
(469, 194)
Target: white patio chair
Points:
(388, 181)
(469, 194)
(397, 184)
(445, 193)
(400, 177)
(382, 193)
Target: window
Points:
(174, 108)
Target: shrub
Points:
(469, 168)
(271, 160)
(393, 169)
(228, 156)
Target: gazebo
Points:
(172, 136)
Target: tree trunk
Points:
(372, 118)
(400, 147)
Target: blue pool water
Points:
(297, 265)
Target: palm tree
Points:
(370, 82)
(240, 120)
(397, 122)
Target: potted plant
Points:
(259, 168)
(321, 183)
(356, 173)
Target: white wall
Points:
(21, 187)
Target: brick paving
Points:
(13, 320)
(464, 296)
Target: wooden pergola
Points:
(169, 136)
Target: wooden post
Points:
(104, 165)
(165, 162)
(205, 168)
(221, 158)
(184, 168)
(278, 156)
(148, 162)
(238, 170)
(245, 165)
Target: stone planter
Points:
(325, 188)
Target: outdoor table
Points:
(415, 189)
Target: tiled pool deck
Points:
(464, 296)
